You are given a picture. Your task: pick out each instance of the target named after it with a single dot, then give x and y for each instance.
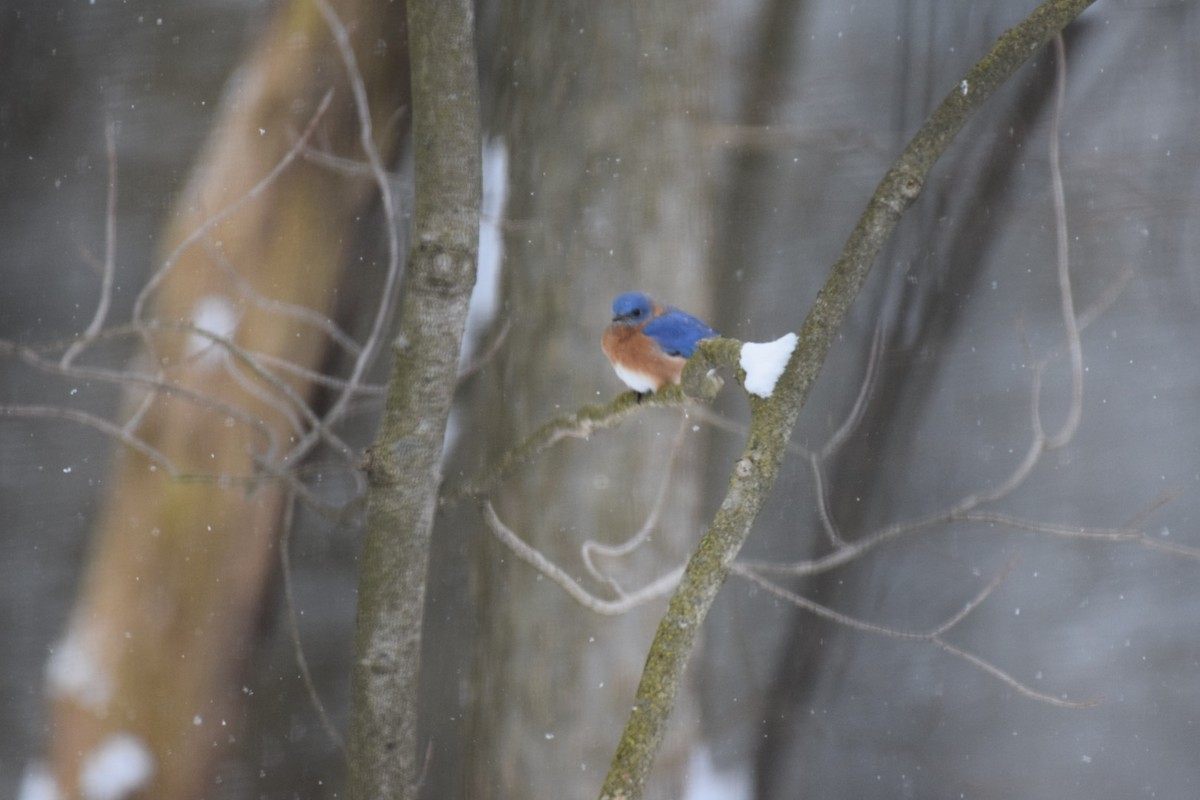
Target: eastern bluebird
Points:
(648, 344)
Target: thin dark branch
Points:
(108, 273)
(935, 637)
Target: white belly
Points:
(638, 381)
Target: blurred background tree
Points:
(715, 157)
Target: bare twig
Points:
(579, 425)
(1076, 532)
(1012, 682)
(625, 602)
(1063, 251)
(245, 289)
(861, 401)
(320, 378)
(933, 637)
(839, 437)
(110, 252)
(205, 228)
(93, 421)
(635, 541)
(252, 362)
(33, 357)
(388, 293)
(249, 361)
(289, 598)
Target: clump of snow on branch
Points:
(764, 363)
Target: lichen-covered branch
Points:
(600, 416)
(773, 418)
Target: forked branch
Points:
(772, 419)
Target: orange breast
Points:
(638, 359)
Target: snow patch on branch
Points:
(764, 362)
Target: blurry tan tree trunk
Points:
(604, 109)
(175, 584)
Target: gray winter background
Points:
(807, 104)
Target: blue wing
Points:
(677, 332)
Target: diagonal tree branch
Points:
(772, 418)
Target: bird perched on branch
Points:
(648, 344)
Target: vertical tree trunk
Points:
(404, 464)
(175, 585)
(604, 111)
